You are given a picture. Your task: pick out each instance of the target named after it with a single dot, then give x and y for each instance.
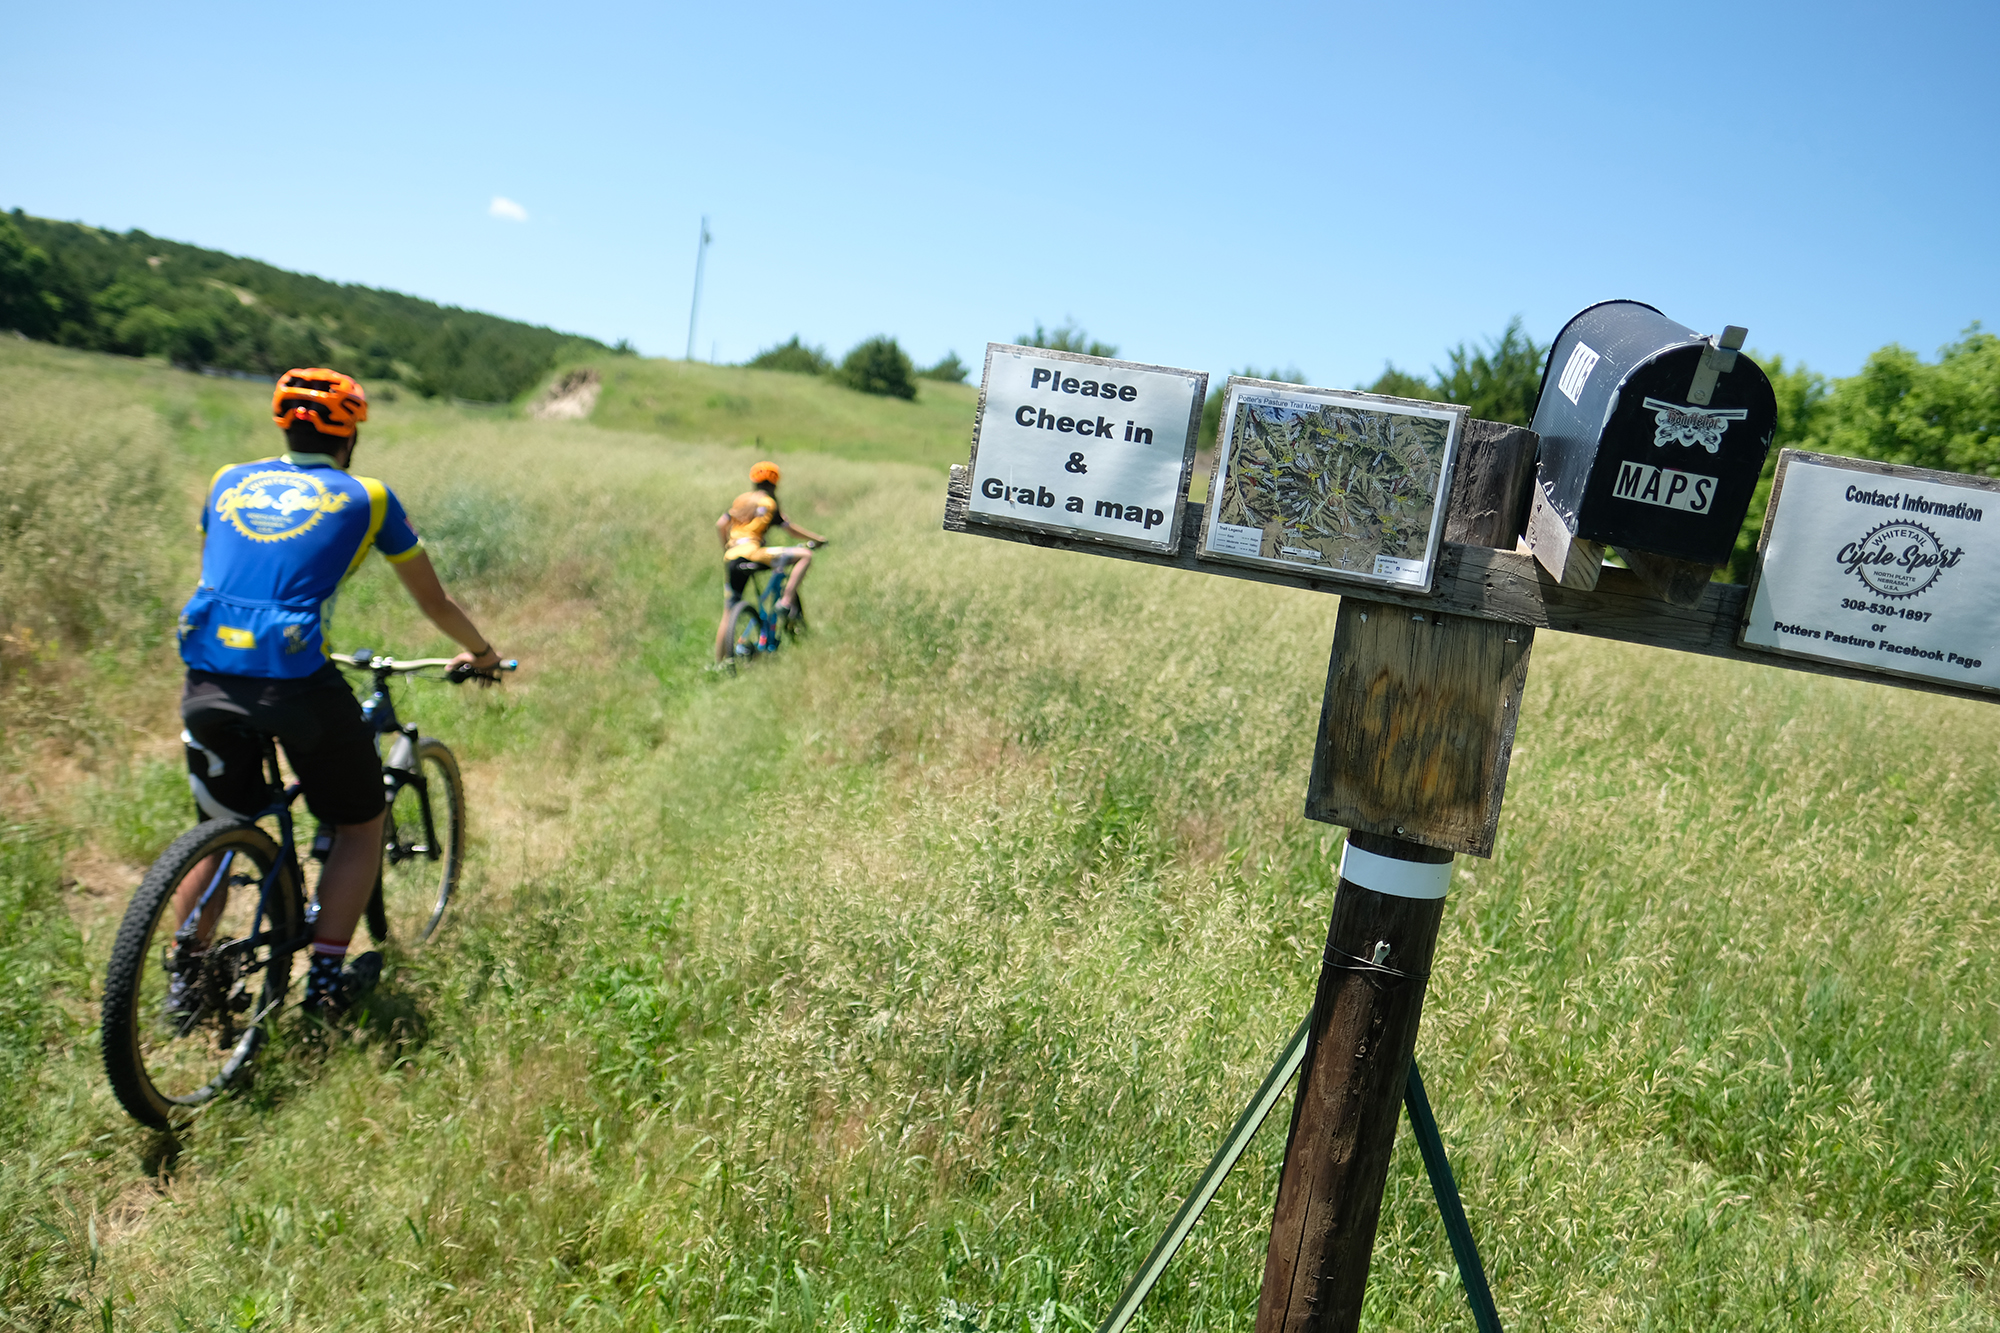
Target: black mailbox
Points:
(1653, 437)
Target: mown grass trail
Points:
(906, 981)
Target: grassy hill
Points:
(906, 984)
(774, 410)
(139, 295)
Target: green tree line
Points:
(875, 365)
(138, 295)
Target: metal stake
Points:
(1211, 1180)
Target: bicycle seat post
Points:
(275, 776)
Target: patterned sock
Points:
(323, 978)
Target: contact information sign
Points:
(1896, 569)
(1084, 445)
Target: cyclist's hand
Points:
(484, 664)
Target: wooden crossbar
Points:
(1489, 584)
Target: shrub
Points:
(1499, 382)
(793, 357)
(879, 366)
(1402, 384)
(1902, 409)
(950, 370)
(1067, 337)
(26, 304)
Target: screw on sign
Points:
(1649, 439)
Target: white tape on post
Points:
(1398, 879)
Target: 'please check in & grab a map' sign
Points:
(1084, 446)
(1880, 566)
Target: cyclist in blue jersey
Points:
(278, 537)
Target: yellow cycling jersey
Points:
(750, 517)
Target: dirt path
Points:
(570, 398)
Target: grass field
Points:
(773, 410)
(906, 981)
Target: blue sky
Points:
(1325, 186)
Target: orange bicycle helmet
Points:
(333, 402)
(765, 471)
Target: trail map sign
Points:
(1349, 485)
(1084, 445)
(1879, 566)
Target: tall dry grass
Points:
(85, 475)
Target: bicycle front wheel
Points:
(423, 847)
(194, 984)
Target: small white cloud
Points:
(503, 207)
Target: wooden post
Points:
(1364, 1031)
(1415, 737)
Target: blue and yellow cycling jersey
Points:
(281, 534)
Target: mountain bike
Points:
(757, 625)
(170, 1048)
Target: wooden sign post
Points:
(1415, 736)
(1423, 693)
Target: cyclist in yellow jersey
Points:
(741, 530)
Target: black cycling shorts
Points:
(316, 718)
(739, 573)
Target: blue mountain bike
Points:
(188, 1000)
(756, 625)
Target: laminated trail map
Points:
(1349, 485)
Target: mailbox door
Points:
(1673, 478)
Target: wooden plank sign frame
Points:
(1086, 447)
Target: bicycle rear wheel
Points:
(186, 1011)
(746, 633)
(423, 848)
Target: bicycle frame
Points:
(380, 712)
(764, 600)
(399, 768)
(280, 808)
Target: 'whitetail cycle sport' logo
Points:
(272, 505)
(1677, 423)
(1899, 559)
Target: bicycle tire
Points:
(155, 1060)
(746, 636)
(417, 878)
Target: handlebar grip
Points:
(458, 675)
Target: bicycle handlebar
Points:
(486, 676)
(366, 660)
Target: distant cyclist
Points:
(278, 537)
(744, 554)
